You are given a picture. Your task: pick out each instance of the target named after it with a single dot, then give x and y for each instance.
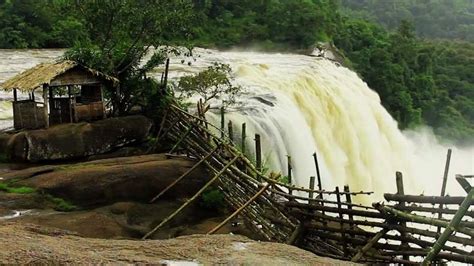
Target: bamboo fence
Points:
(325, 222)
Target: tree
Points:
(213, 83)
(121, 33)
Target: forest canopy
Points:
(417, 54)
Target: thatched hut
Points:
(70, 93)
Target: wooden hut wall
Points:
(28, 115)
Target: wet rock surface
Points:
(137, 178)
(73, 141)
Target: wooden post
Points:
(290, 175)
(452, 227)
(208, 184)
(16, 119)
(341, 217)
(445, 180)
(165, 80)
(401, 191)
(70, 102)
(222, 122)
(320, 185)
(258, 152)
(244, 136)
(46, 105)
(311, 187)
(230, 130)
(349, 200)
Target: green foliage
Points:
(266, 24)
(61, 204)
(120, 35)
(212, 199)
(7, 187)
(213, 83)
(284, 179)
(450, 19)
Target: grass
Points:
(17, 190)
(61, 204)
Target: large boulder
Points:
(72, 141)
(137, 178)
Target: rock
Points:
(137, 178)
(24, 244)
(72, 141)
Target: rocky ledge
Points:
(73, 141)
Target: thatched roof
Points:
(44, 73)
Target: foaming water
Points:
(301, 105)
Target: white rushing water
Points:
(301, 105)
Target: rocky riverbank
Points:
(25, 244)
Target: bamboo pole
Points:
(341, 217)
(335, 210)
(222, 122)
(188, 131)
(318, 174)
(401, 191)
(244, 136)
(252, 199)
(208, 184)
(416, 208)
(349, 201)
(359, 232)
(445, 181)
(296, 234)
(464, 183)
(183, 175)
(290, 174)
(258, 152)
(426, 199)
(452, 227)
(230, 130)
(421, 219)
(369, 245)
(311, 186)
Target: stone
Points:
(74, 141)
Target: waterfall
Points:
(302, 104)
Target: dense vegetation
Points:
(420, 81)
(451, 19)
